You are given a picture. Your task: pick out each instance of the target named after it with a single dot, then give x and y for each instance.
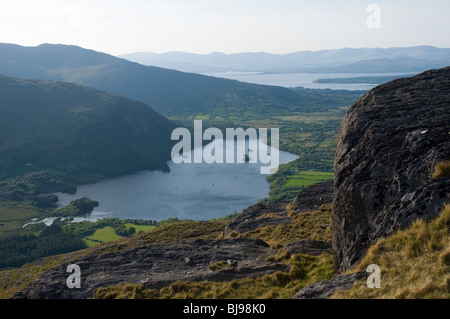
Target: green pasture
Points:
(302, 179)
(107, 233)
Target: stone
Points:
(156, 266)
(257, 216)
(324, 289)
(312, 197)
(276, 213)
(308, 246)
(388, 145)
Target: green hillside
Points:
(77, 130)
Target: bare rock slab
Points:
(388, 145)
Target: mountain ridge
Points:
(323, 61)
(169, 92)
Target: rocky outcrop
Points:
(389, 143)
(276, 213)
(156, 266)
(308, 246)
(324, 289)
(259, 215)
(312, 197)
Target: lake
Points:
(305, 80)
(189, 191)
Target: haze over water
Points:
(305, 80)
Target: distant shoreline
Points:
(362, 79)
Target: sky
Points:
(230, 26)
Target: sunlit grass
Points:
(415, 263)
(306, 225)
(305, 269)
(14, 215)
(107, 234)
(302, 179)
(441, 169)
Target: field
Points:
(306, 178)
(107, 233)
(140, 228)
(14, 215)
(289, 181)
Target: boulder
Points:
(388, 146)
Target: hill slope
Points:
(167, 91)
(77, 130)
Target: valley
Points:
(88, 117)
(312, 135)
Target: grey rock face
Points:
(308, 246)
(308, 199)
(312, 197)
(156, 266)
(253, 217)
(324, 289)
(389, 143)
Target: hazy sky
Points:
(204, 26)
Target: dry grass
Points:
(185, 230)
(415, 263)
(441, 169)
(310, 225)
(14, 280)
(219, 265)
(305, 269)
(11, 281)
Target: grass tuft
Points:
(414, 263)
(441, 169)
(305, 225)
(305, 269)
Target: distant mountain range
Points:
(347, 60)
(169, 92)
(78, 131)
